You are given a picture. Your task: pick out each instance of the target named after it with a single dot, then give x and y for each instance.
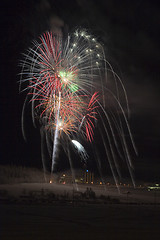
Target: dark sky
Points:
(130, 32)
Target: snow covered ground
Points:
(93, 222)
(135, 216)
(127, 194)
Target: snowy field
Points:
(135, 216)
(126, 194)
(39, 222)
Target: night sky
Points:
(130, 32)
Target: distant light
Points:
(50, 181)
(86, 170)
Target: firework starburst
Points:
(67, 85)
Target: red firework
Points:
(56, 93)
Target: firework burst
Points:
(68, 87)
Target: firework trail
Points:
(69, 86)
